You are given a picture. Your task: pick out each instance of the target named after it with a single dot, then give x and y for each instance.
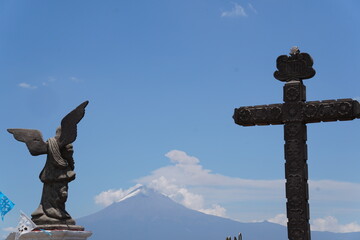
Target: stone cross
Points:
(294, 114)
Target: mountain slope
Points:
(146, 214)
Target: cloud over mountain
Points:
(146, 213)
(187, 182)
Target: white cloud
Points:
(10, 229)
(236, 11)
(329, 190)
(184, 196)
(162, 185)
(216, 210)
(279, 219)
(110, 196)
(331, 224)
(26, 85)
(75, 79)
(252, 8)
(188, 172)
(178, 194)
(180, 157)
(187, 182)
(50, 80)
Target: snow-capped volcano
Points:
(138, 189)
(146, 214)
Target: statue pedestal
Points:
(55, 235)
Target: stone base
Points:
(55, 235)
(59, 227)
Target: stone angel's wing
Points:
(69, 125)
(33, 139)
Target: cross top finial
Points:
(296, 67)
(294, 50)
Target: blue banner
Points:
(5, 205)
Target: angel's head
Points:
(58, 132)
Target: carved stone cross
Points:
(294, 114)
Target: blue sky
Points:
(163, 78)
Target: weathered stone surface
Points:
(294, 114)
(55, 235)
(294, 67)
(58, 170)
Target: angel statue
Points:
(58, 170)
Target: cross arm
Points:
(258, 115)
(308, 112)
(331, 110)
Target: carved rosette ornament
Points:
(294, 114)
(258, 115)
